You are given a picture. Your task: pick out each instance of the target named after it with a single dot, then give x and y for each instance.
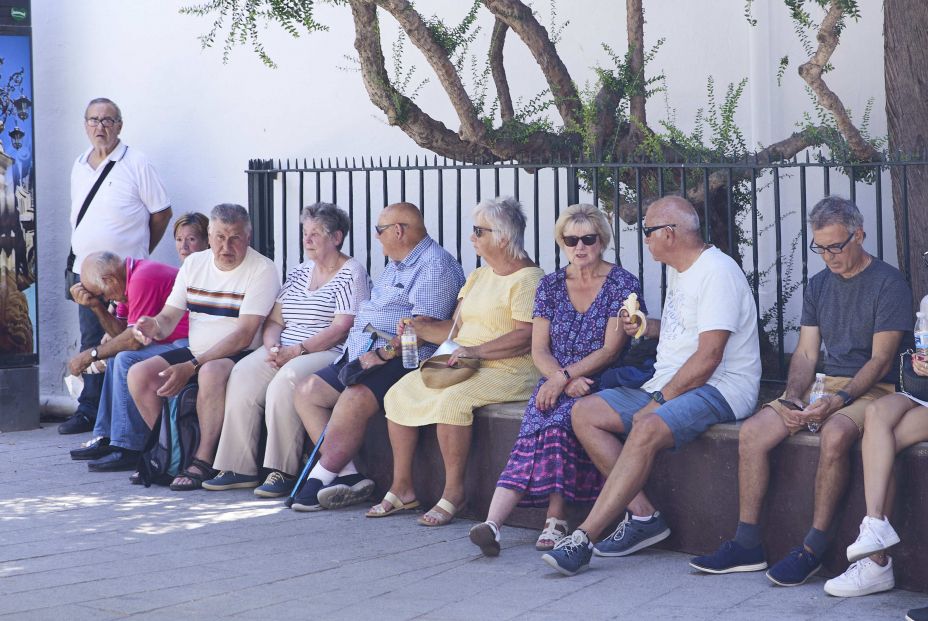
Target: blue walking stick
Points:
(309, 462)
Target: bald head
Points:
(676, 210)
(96, 267)
(411, 216)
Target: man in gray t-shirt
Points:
(860, 309)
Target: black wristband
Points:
(566, 374)
(846, 396)
(377, 353)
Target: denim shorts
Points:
(687, 415)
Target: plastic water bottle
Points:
(921, 334)
(818, 391)
(923, 307)
(409, 345)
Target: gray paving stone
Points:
(76, 545)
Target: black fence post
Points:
(261, 205)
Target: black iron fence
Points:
(755, 213)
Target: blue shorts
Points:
(687, 415)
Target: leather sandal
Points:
(554, 531)
(437, 517)
(396, 505)
(205, 473)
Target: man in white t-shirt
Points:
(127, 216)
(707, 372)
(228, 290)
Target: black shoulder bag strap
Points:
(87, 201)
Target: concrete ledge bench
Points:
(696, 488)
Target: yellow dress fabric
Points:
(491, 306)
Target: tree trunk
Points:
(905, 24)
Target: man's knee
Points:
(837, 439)
(213, 375)
(650, 432)
(315, 391)
(760, 433)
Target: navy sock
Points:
(747, 535)
(817, 541)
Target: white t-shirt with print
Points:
(712, 294)
(215, 298)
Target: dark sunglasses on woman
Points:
(588, 240)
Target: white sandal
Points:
(554, 531)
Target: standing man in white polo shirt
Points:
(127, 215)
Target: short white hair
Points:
(505, 216)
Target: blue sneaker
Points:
(305, 499)
(230, 480)
(797, 567)
(731, 557)
(633, 535)
(346, 491)
(571, 554)
(276, 484)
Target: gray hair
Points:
(578, 214)
(97, 265)
(836, 210)
(505, 216)
(105, 100)
(229, 214)
(330, 217)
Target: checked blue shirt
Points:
(426, 282)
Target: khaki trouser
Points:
(255, 391)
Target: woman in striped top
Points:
(305, 332)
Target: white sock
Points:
(348, 469)
(645, 518)
(320, 473)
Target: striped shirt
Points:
(426, 282)
(216, 298)
(306, 313)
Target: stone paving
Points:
(77, 545)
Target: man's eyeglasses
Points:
(380, 228)
(647, 230)
(480, 230)
(106, 121)
(588, 240)
(833, 248)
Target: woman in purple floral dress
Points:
(575, 336)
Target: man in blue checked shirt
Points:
(421, 279)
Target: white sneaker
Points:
(875, 536)
(862, 578)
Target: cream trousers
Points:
(257, 391)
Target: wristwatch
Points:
(196, 364)
(848, 399)
(93, 354)
(659, 397)
(389, 350)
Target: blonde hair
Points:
(578, 214)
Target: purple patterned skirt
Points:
(551, 461)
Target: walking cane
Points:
(309, 462)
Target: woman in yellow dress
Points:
(494, 325)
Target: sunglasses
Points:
(588, 240)
(647, 230)
(480, 230)
(381, 228)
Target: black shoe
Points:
(118, 459)
(79, 423)
(305, 499)
(95, 449)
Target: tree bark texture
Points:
(905, 58)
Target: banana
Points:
(632, 307)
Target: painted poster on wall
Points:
(18, 329)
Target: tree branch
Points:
(506, 111)
(400, 110)
(811, 71)
(472, 129)
(520, 18)
(635, 26)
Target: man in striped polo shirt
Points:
(229, 290)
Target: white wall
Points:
(200, 121)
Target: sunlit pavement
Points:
(80, 545)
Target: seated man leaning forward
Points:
(140, 286)
(707, 372)
(229, 290)
(420, 280)
(858, 307)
